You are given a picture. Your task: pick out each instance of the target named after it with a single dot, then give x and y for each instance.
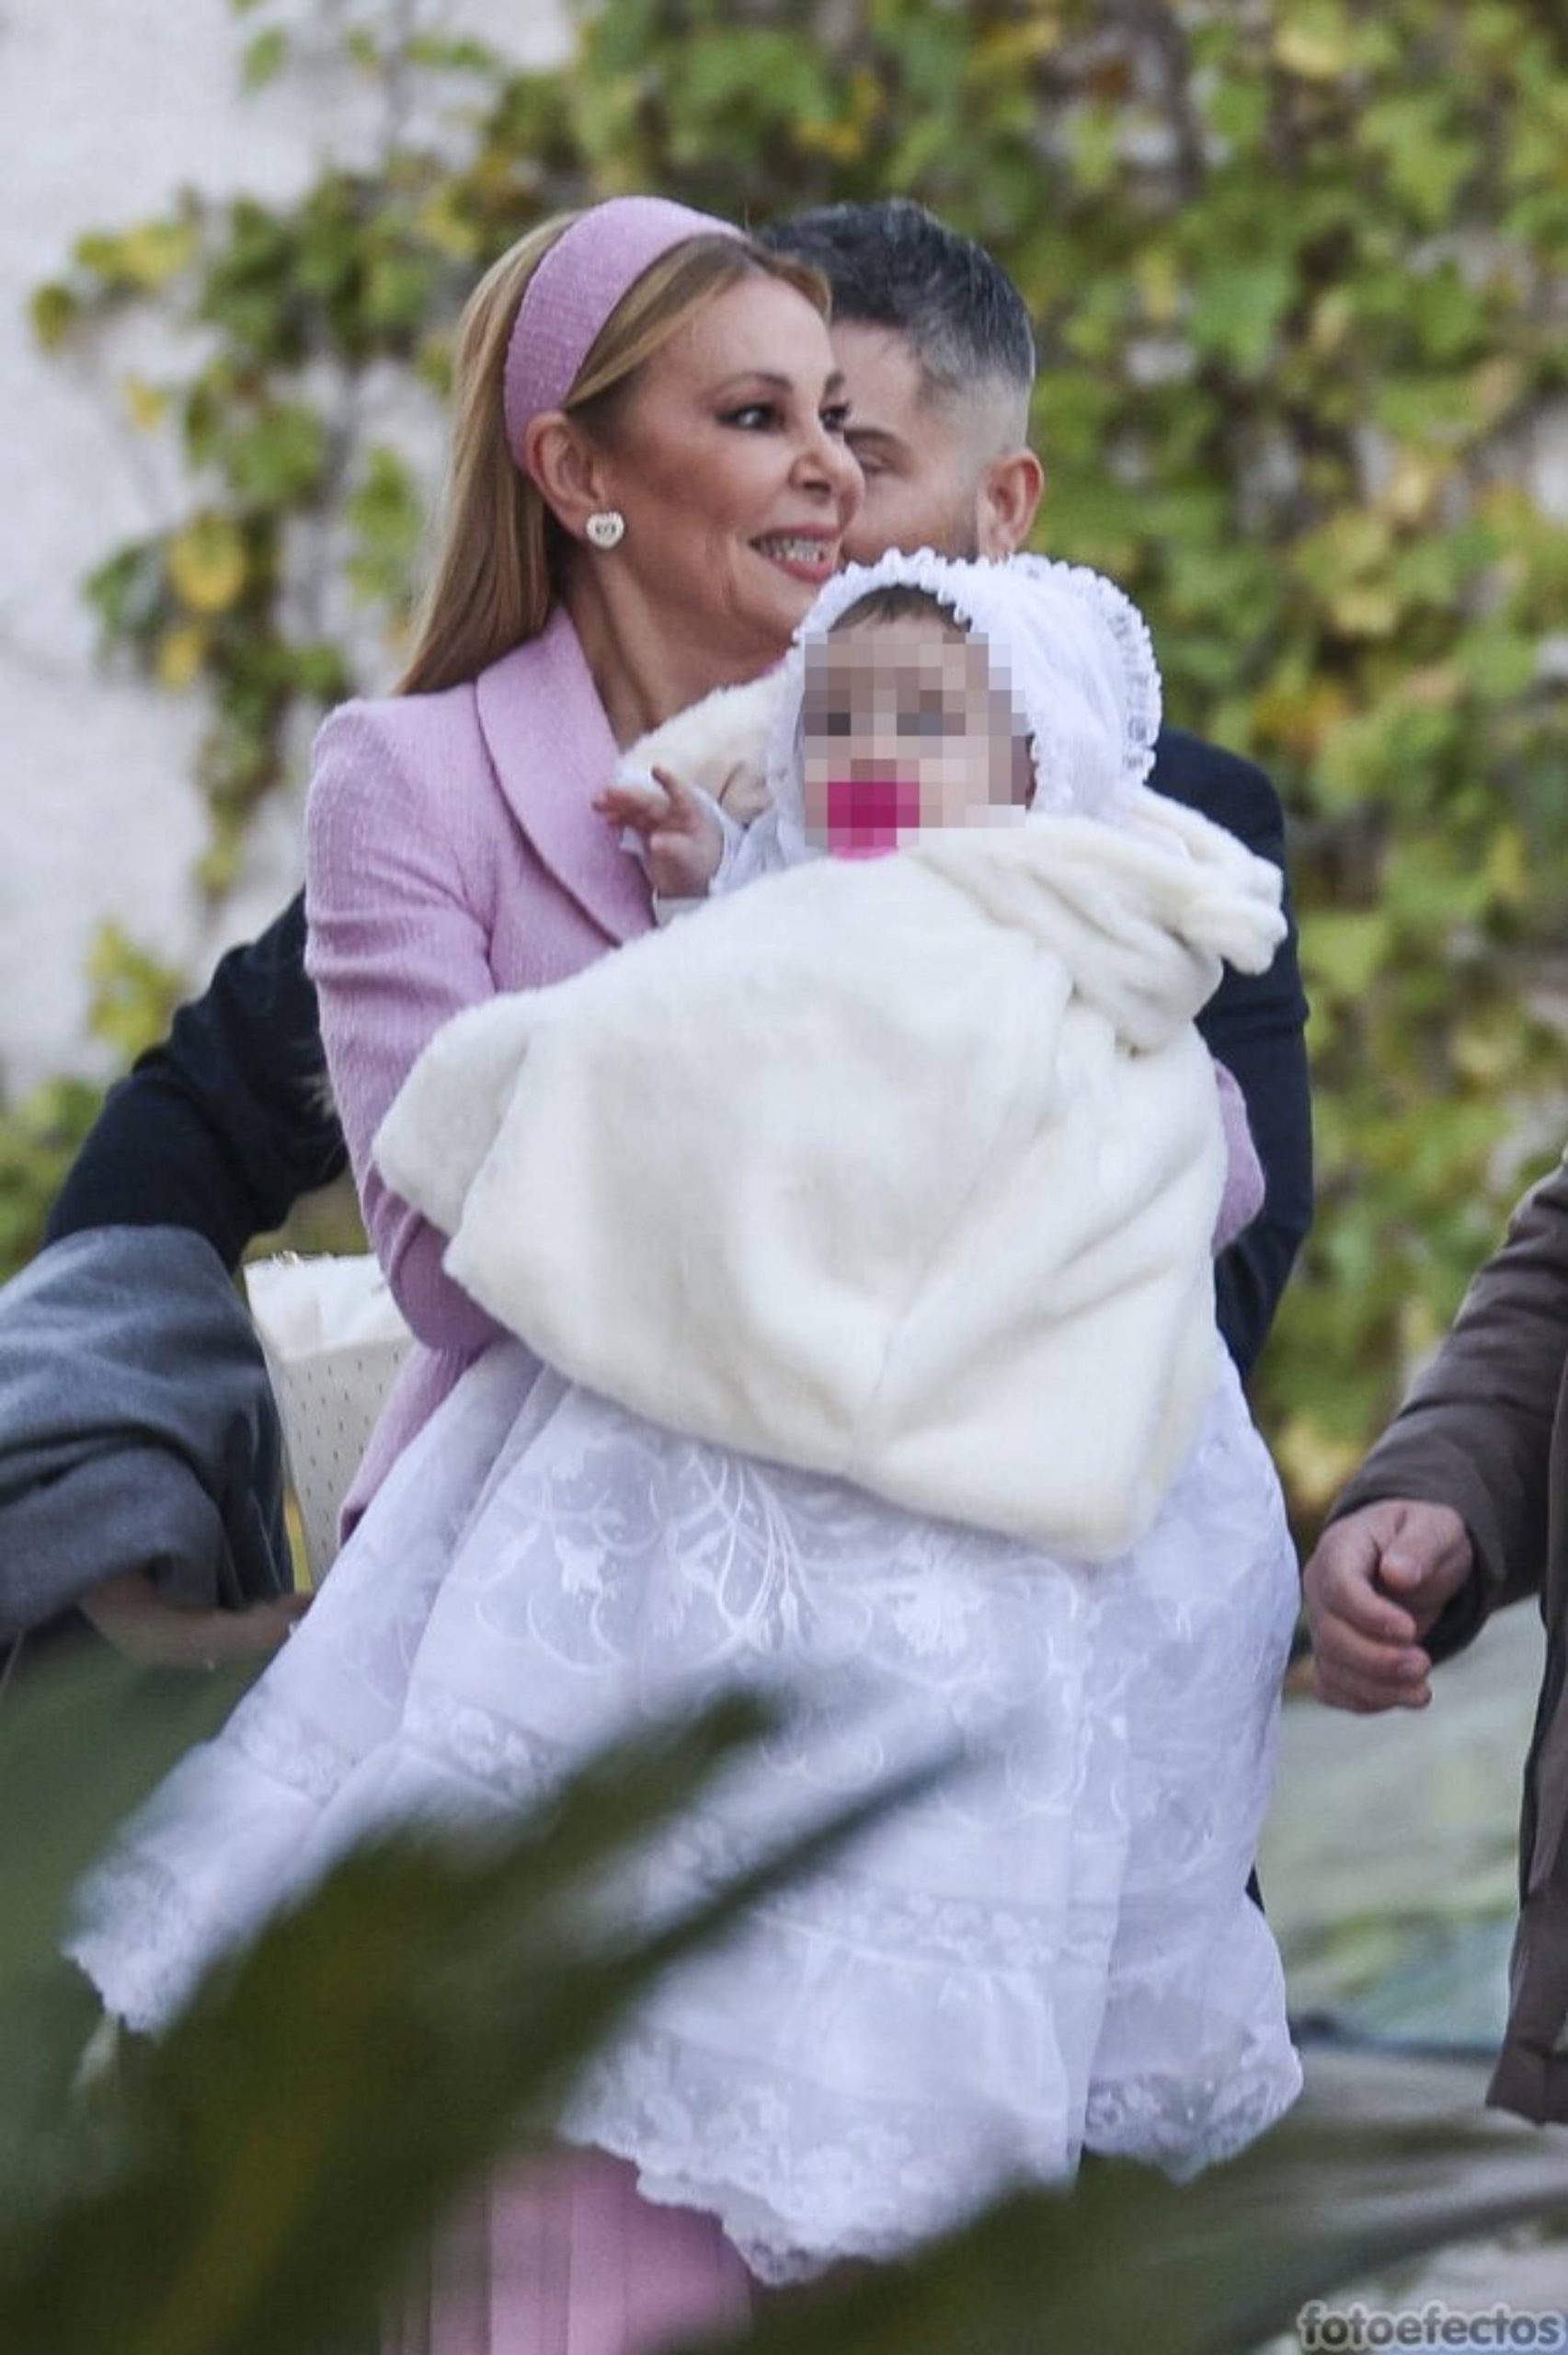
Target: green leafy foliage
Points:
(388, 518)
(259, 2179)
(250, 2181)
(132, 996)
(1298, 280)
(40, 1133)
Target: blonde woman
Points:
(649, 485)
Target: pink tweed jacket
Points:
(452, 852)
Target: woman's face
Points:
(729, 465)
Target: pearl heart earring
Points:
(607, 529)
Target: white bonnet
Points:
(1069, 649)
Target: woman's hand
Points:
(682, 840)
(130, 1613)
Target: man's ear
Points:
(1005, 500)
(572, 474)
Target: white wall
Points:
(104, 111)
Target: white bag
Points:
(334, 1339)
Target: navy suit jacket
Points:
(1256, 1025)
(227, 1123)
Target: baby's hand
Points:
(683, 839)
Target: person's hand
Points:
(130, 1613)
(1374, 1587)
(682, 840)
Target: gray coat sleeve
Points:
(137, 1428)
(1476, 1431)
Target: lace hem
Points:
(798, 2177)
(1182, 2128)
(795, 2195)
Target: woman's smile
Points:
(810, 554)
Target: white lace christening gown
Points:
(1053, 1949)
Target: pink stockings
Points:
(561, 2257)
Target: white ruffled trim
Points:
(1140, 667)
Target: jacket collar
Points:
(552, 749)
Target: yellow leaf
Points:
(1412, 488)
(1344, 949)
(206, 565)
(841, 142)
(1159, 286)
(156, 251)
(1365, 611)
(1299, 717)
(1484, 1052)
(54, 311)
(867, 99)
(1008, 47)
(1359, 538)
(181, 651)
(440, 224)
(1497, 385)
(1318, 52)
(147, 403)
(1330, 320)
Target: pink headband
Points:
(575, 289)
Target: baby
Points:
(910, 721)
(954, 1146)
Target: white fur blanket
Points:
(902, 1170)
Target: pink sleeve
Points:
(1243, 1195)
(395, 947)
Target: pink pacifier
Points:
(866, 815)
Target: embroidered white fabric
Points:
(1052, 1949)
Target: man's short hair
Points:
(893, 264)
